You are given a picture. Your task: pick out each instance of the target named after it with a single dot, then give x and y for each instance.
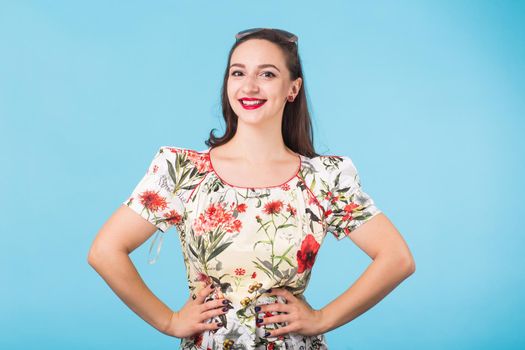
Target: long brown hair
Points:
(296, 123)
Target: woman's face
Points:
(258, 71)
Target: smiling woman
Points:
(251, 235)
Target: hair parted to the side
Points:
(296, 124)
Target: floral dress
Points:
(247, 240)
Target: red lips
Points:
(251, 107)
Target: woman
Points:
(251, 212)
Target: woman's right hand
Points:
(190, 320)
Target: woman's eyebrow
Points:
(259, 66)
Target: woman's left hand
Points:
(298, 315)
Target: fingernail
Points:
(269, 290)
(219, 324)
(225, 309)
(225, 301)
(257, 308)
(266, 334)
(212, 286)
(258, 320)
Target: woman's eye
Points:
(234, 73)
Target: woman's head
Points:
(266, 65)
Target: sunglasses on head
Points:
(289, 36)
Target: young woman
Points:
(252, 211)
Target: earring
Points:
(290, 98)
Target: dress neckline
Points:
(296, 174)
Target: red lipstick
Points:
(251, 106)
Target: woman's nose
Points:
(250, 84)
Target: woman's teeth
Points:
(252, 103)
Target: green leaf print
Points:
(216, 241)
(193, 251)
(267, 242)
(218, 251)
(273, 269)
(285, 258)
(336, 182)
(284, 226)
(263, 269)
(312, 185)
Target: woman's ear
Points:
(297, 85)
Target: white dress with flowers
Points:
(247, 240)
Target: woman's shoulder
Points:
(173, 149)
(327, 164)
(183, 158)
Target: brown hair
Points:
(296, 123)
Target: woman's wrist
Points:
(167, 324)
(324, 321)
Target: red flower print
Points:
(285, 187)
(350, 207)
(328, 212)
(258, 218)
(273, 207)
(306, 255)
(291, 209)
(270, 346)
(254, 274)
(173, 218)
(200, 160)
(240, 271)
(236, 226)
(202, 277)
(155, 168)
(347, 217)
(241, 208)
(216, 216)
(153, 201)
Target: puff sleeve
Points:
(156, 197)
(348, 206)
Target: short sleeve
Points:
(156, 197)
(348, 206)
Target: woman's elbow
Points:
(93, 255)
(409, 264)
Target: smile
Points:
(251, 104)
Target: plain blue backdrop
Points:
(426, 97)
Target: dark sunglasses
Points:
(289, 36)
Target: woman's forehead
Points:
(253, 53)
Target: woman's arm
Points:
(392, 263)
(109, 256)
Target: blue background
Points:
(426, 97)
